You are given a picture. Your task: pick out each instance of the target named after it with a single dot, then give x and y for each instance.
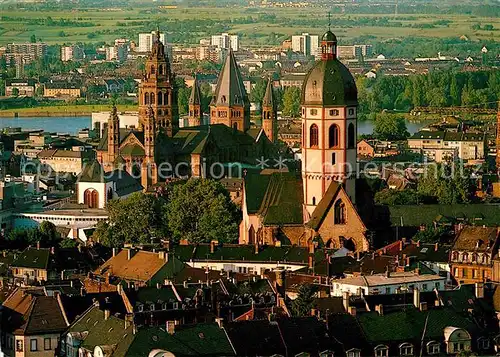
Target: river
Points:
(72, 125)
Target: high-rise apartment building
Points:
(226, 41)
(72, 53)
(146, 41)
(355, 51)
(306, 44)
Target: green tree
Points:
(258, 92)
(303, 304)
(48, 232)
(105, 235)
(201, 210)
(291, 101)
(206, 96)
(393, 197)
(390, 127)
(68, 243)
(33, 38)
(446, 184)
(135, 219)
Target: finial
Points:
(329, 20)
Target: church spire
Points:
(195, 117)
(113, 134)
(498, 140)
(269, 113)
(230, 104)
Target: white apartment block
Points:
(442, 146)
(354, 51)
(226, 41)
(306, 44)
(146, 41)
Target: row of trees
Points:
(199, 210)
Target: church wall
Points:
(99, 187)
(353, 229)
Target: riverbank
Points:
(62, 111)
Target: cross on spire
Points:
(329, 20)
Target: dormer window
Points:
(354, 353)
(433, 348)
(381, 351)
(164, 306)
(175, 305)
(223, 99)
(483, 343)
(152, 307)
(406, 349)
(140, 307)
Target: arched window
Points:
(160, 98)
(152, 98)
(110, 193)
(160, 69)
(351, 136)
(314, 201)
(166, 100)
(313, 136)
(339, 212)
(465, 257)
(333, 136)
(235, 126)
(153, 69)
(91, 198)
(454, 256)
(146, 98)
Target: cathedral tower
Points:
(158, 90)
(149, 174)
(498, 140)
(230, 104)
(195, 115)
(113, 135)
(329, 111)
(269, 113)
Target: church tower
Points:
(195, 115)
(329, 112)
(113, 135)
(149, 175)
(158, 90)
(269, 113)
(230, 105)
(498, 140)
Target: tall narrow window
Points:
(146, 98)
(313, 136)
(351, 136)
(165, 99)
(314, 201)
(160, 98)
(153, 70)
(334, 158)
(333, 136)
(152, 98)
(160, 69)
(339, 212)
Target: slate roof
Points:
(277, 197)
(230, 89)
(324, 205)
(189, 340)
(30, 312)
(33, 258)
(415, 215)
(124, 133)
(92, 172)
(268, 100)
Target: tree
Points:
(183, 95)
(15, 92)
(206, 97)
(393, 197)
(201, 210)
(33, 38)
(390, 127)
(68, 243)
(48, 232)
(134, 219)
(303, 304)
(258, 92)
(446, 184)
(291, 101)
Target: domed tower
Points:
(329, 111)
(157, 90)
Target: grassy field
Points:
(61, 110)
(15, 27)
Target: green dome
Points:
(329, 83)
(329, 36)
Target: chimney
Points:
(38, 245)
(185, 284)
(423, 306)
(212, 246)
(280, 281)
(416, 298)
(228, 274)
(108, 276)
(220, 321)
(52, 250)
(158, 286)
(256, 246)
(310, 261)
(401, 245)
(171, 327)
(379, 309)
(418, 244)
(436, 247)
(313, 311)
(106, 314)
(437, 303)
(114, 252)
(119, 288)
(167, 245)
(479, 289)
(161, 255)
(129, 253)
(127, 321)
(345, 300)
(352, 310)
